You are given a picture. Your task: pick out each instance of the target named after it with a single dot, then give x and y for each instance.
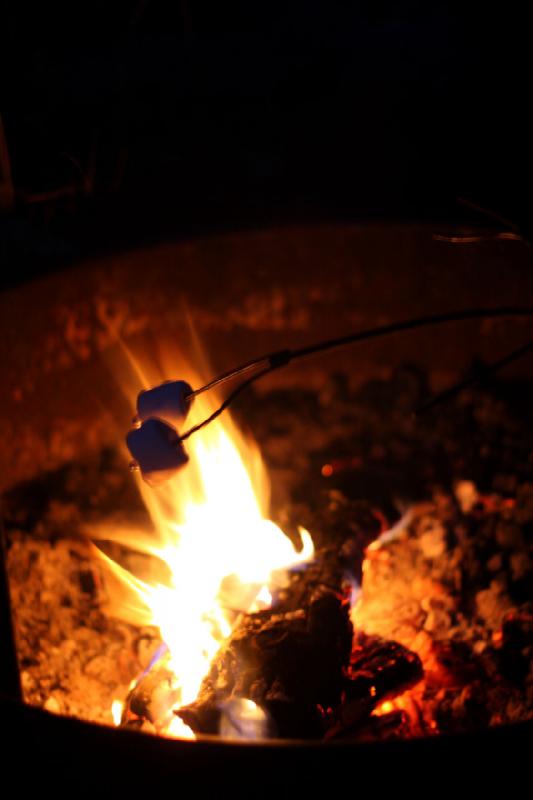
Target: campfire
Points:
(389, 599)
(221, 553)
(326, 567)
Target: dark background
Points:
(129, 121)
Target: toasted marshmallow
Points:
(158, 451)
(168, 402)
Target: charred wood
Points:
(288, 663)
(378, 670)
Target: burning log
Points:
(287, 663)
(378, 670)
(290, 659)
(297, 666)
(300, 663)
(294, 664)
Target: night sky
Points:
(126, 122)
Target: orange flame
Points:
(213, 536)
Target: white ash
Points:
(73, 659)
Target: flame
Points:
(116, 711)
(262, 600)
(214, 549)
(385, 708)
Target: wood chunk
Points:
(378, 670)
(153, 696)
(388, 666)
(297, 665)
(289, 663)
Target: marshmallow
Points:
(157, 449)
(168, 401)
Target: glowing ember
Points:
(217, 548)
(384, 708)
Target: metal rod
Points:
(473, 378)
(281, 358)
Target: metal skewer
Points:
(281, 358)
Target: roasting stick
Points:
(157, 446)
(473, 378)
(281, 358)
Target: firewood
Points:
(289, 663)
(378, 670)
(290, 660)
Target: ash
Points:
(73, 658)
(442, 636)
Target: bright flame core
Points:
(213, 535)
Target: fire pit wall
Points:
(242, 294)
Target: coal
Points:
(378, 670)
(381, 667)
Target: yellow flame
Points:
(211, 533)
(177, 729)
(116, 711)
(384, 708)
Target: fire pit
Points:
(376, 601)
